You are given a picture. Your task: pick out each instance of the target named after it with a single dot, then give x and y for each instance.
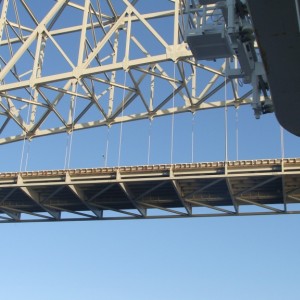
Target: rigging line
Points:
(237, 106)
(282, 143)
(193, 135)
(151, 98)
(237, 132)
(107, 146)
(121, 125)
(149, 141)
(74, 98)
(173, 115)
(70, 136)
(226, 121)
(25, 139)
(27, 155)
(67, 151)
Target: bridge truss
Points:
(71, 65)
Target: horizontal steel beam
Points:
(234, 188)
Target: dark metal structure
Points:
(278, 36)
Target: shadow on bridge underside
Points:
(236, 188)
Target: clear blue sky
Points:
(230, 258)
(219, 258)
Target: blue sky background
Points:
(212, 258)
(230, 258)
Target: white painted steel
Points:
(110, 41)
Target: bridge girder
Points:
(223, 189)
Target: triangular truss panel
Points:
(68, 65)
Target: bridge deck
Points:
(160, 191)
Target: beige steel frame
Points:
(32, 100)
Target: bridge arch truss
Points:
(72, 65)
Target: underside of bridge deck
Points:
(237, 188)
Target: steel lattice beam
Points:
(114, 63)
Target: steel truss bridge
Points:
(73, 65)
(114, 62)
